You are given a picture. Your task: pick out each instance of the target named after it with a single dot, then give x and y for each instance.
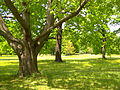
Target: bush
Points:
(69, 48)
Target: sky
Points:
(113, 28)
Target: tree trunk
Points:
(27, 64)
(103, 43)
(27, 58)
(58, 45)
(103, 52)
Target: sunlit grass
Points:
(77, 72)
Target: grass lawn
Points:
(77, 72)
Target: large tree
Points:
(29, 45)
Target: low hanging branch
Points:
(63, 20)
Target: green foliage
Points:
(5, 49)
(1, 1)
(49, 47)
(87, 29)
(113, 44)
(63, 6)
(84, 31)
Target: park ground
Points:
(77, 72)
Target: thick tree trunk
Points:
(28, 55)
(27, 62)
(58, 45)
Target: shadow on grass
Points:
(84, 74)
(7, 77)
(87, 74)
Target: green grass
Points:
(77, 72)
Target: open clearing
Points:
(77, 72)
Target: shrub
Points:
(69, 48)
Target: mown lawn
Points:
(77, 72)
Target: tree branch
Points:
(14, 11)
(6, 33)
(49, 22)
(63, 20)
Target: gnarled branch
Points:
(63, 20)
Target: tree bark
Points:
(58, 57)
(27, 62)
(103, 49)
(103, 52)
(103, 43)
(28, 55)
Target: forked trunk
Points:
(27, 55)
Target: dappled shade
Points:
(94, 73)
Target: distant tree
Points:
(91, 27)
(58, 52)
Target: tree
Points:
(92, 29)
(28, 45)
(58, 52)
